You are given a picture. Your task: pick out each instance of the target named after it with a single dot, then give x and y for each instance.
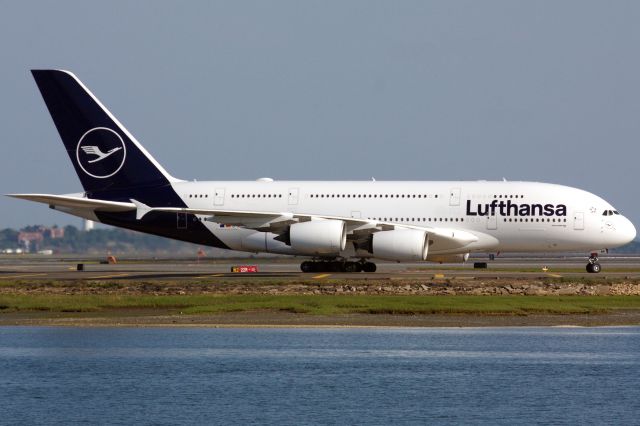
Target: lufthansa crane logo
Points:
(101, 152)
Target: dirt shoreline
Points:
(270, 286)
(285, 319)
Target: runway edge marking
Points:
(26, 275)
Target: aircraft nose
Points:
(628, 230)
(621, 232)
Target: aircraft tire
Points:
(369, 267)
(351, 267)
(307, 266)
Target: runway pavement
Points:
(34, 268)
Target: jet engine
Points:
(448, 258)
(320, 237)
(400, 244)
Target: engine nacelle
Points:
(400, 244)
(448, 258)
(320, 237)
(265, 242)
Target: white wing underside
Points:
(444, 238)
(77, 202)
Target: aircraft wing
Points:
(357, 228)
(76, 201)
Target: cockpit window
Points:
(615, 212)
(610, 212)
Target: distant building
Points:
(87, 225)
(30, 240)
(54, 233)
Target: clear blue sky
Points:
(418, 90)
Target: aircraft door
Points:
(492, 222)
(578, 221)
(218, 197)
(181, 219)
(293, 196)
(454, 197)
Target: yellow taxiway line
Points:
(317, 277)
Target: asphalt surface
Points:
(36, 268)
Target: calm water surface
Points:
(328, 376)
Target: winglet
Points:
(141, 209)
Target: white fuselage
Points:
(505, 216)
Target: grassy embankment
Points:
(321, 305)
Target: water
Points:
(328, 376)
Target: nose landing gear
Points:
(593, 266)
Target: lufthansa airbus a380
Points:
(340, 226)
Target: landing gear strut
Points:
(337, 266)
(593, 266)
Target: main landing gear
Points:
(337, 266)
(593, 266)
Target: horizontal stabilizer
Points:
(76, 202)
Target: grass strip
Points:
(324, 304)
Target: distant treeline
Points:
(632, 248)
(113, 240)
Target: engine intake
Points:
(400, 244)
(320, 237)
